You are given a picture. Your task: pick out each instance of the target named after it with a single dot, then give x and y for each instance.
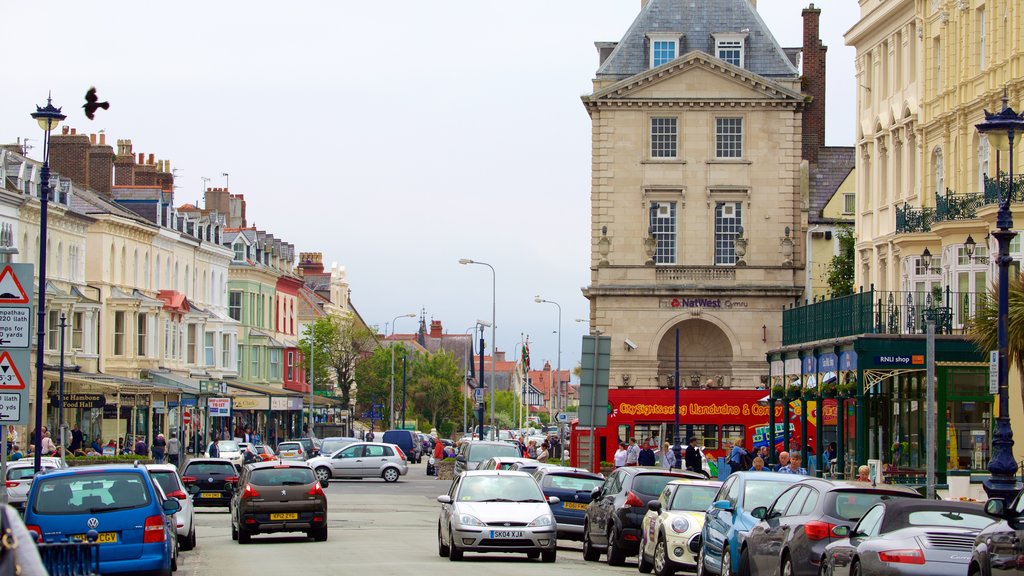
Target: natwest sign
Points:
(701, 302)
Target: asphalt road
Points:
(375, 528)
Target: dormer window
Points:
(239, 251)
(729, 47)
(664, 48)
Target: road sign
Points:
(15, 327)
(14, 371)
(478, 395)
(10, 407)
(595, 362)
(186, 418)
(10, 376)
(566, 416)
(11, 291)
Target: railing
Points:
(953, 206)
(695, 273)
(879, 312)
(910, 219)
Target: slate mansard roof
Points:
(695, 21)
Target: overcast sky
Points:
(393, 136)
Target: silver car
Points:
(19, 479)
(496, 511)
(362, 460)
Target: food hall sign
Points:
(701, 302)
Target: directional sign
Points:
(478, 394)
(14, 372)
(10, 407)
(15, 327)
(11, 291)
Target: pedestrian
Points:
(141, 449)
(758, 465)
(213, 450)
(159, 448)
(16, 453)
(543, 455)
(647, 457)
(531, 449)
(47, 446)
(632, 453)
(369, 436)
(438, 456)
(692, 458)
(76, 439)
(667, 456)
(794, 465)
(173, 449)
(783, 460)
(762, 453)
(620, 455)
(864, 473)
(12, 437)
(738, 456)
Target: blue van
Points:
(118, 506)
(408, 441)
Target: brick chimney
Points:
(124, 164)
(101, 165)
(311, 263)
(69, 155)
(435, 329)
(813, 84)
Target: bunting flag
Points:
(526, 357)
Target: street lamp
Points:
(48, 118)
(391, 406)
(494, 328)
(1002, 128)
(559, 395)
(969, 246)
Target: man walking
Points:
(173, 449)
(632, 453)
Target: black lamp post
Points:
(48, 118)
(1002, 128)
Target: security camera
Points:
(630, 345)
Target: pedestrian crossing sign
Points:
(11, 291)
(10, 378)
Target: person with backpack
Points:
(739, 457)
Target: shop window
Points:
(969, 421)
(142, 333)
(119, 320)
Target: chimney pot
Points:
(142, 158)
(65, 130)
(92, 139)
(103, 139)
(74, 131)
(151, 158)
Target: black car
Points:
(617, 508)
(573, 487)
(791, 536)
(210, 480)
(997, 549)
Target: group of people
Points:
(633, 454)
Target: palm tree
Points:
(982, 329)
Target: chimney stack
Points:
(436, 331)
(124, 164)
(101, 167)
(69, 156)
(813, 85)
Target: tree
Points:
(340, 342)
(373, 373)
(436, 385)
(982, 329)
(840, 269)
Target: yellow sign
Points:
(251, 403)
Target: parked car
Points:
(249, 453)
(529, 466)
(292, 451)
(792, 533)
(670, 532)
(310, 446)
(120, 503)
(362, 460)
(471, 454)
(266, 452)
(617, 508)
(278, 497)
(572, 486)
(496, 511)
(728, 520)
(19, 480)
(328, 446)
(228, 450)
(501, 463)
(408, 441)
(210, 481)
(896, 537)
(166, 475)
(997, 549)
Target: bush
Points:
(119, 459)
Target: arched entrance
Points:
(705, 353)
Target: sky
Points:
(394, 137)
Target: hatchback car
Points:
(728, 520)
(793, 531)
(266, 452)
(408, 441)
(496, 511)
(228, 450)
(912, 537)
(501, 463)
(617, 508)
(19, 481)
(278, 497)
(362, 460)
(292, 451)
(118, 506)
(328, 446)
(997, 550)
(210, 481)
(166, 475)
(471, 454)
(572, 486)
(311, 446)
(670, 533)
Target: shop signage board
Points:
(219, 407)
(79, 400)
(15, 341)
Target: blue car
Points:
(572, 486)
(118, 506)
(728, 520)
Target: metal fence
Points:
(963, 206)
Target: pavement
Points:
(374, 528)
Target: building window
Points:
(291, 366)
(728, 224)
(53, 328)
(982, 162)
(663, 228)
(119, 333)
(937, 62)
(940, 171)
(849, 202)
(728, 137)
(239, 251)
(167, 338)
(663, 137)
(254, 359)
(208, 340)
(730, 50)
(141, 333)
(226, 352)
(77, 320)
(192, 337)
(662, 51)
(275, 363)
(981, 38)
(235, 305)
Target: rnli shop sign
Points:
(900, 360)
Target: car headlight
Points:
(545, 520)
(680, 525)
(468, 520)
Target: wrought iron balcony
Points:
(911, 219)
(953, 206)
(879, 312)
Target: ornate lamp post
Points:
(1002, 129)
(48, 118)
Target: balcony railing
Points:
(694, 273)
(879, 312)
(952, 206)
(910, 219)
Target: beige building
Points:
(701, 135)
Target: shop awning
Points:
(183, 383)
(126, 386)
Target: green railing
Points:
(953, 206)
(879, 312)
(910, 219)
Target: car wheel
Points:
(548, 555)
(745, 562)
(189, 542)
(442, 550)
(533, 555)
(454, 554)
(855, 569)
(234, 532)
(589, 553)
(726, 562)
(787, 566)
(661, 562)
(823, 567)
(323, 474)
(244, 537)
(616, 557)
(642, 564)
(390, 475)
(701, 571)
(320, 534)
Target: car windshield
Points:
(571, 482)
(209, 469)
(91, 493)
(166, 479)
(332, 446)
(948, 518)
(693, 498)
(282, 476)
(852, 505)
(761, 493)
(481, 452)
(652, 484)
(227, 446)
(499, 489)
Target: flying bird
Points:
(92, 104)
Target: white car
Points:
(166, 475)
(19, 479)
(228, 450)
(361, 460)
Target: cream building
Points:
(698, 217)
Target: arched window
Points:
(187, 282)
(135, 268)
(939, 171)
(982, 162)
(177, 278)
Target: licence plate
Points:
(500, 534)
(574, 506)
(285, 516)
(103, 538)
(209, 495)
(289, 454)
